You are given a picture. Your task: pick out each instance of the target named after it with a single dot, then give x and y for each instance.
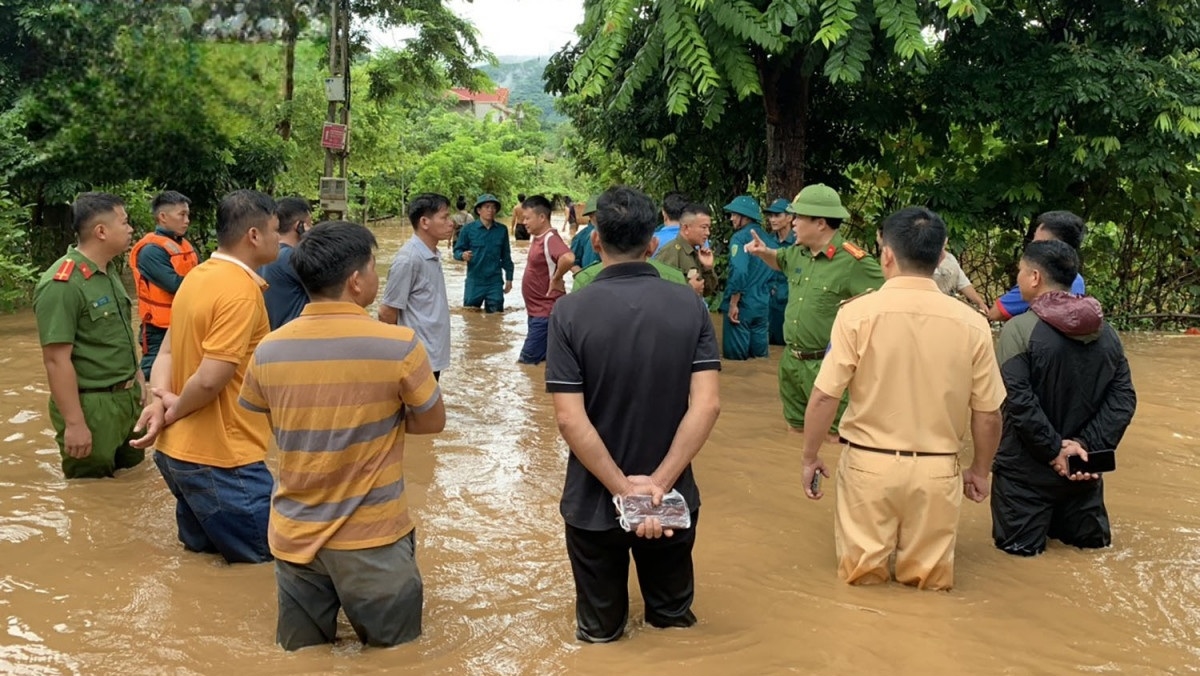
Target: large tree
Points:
(712, 54)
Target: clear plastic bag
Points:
(634, 509)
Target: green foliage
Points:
(17, 276)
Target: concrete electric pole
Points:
(335, 134)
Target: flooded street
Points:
(93, 580)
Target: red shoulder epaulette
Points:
(87, 272)
(853, 250)
(64, 271)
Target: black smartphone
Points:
(1098, 462)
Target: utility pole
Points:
(335, 134)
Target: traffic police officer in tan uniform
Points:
(88, 345)
(823, 269)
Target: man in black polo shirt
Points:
(633, 365)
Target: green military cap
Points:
(485, 198)
(746, 206)
(589, 207)
(779, 206)
(818, 200)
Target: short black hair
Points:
(833, 223)
(90, 206)
(696, 208)
(916, 235)
(625, 220)
(1064, 225)
(461, 204)
(290, 210)
(1056, 259)
(426, 204)
(520, 197)
(538, 204)
(239, 211)
(673, 205)
(329, 254)
(168, 198)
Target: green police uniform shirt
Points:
(682, 256)
(818, 284)
(76, 303)
(586, 275)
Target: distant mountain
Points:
(523, 78)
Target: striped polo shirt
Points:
(335, 383)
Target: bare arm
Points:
(985, 434)
(995, 314)
(818, 417)
(389, 314)
(703, 408)
(562, 266)
(201, 389)
(977, 300)
(64, 388)
(430, 421)
(585, 442)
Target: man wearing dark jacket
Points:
(1069, 393)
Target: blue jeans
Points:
(220, 510)
(534, 350)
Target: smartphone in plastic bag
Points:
(632, 510)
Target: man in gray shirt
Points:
(415, 295)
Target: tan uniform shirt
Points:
(917, 362)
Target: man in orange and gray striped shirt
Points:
(341, 390)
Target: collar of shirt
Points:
(330, 307)
(262, 283)
(910, 282)
(423, 248)
(75, 254)
(629, 269)
(167, 233)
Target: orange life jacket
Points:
(154, 304)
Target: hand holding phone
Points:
(1098, 462)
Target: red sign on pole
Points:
(333, 136)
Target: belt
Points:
(889, 451)
(119, 387)
(807, 356)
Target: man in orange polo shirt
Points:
(210, 449)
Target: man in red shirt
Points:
(542, 283)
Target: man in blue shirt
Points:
(672, 210)
(1063, 226)
(286, 297)
(780, 235)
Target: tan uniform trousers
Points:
(897, 503)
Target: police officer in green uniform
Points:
(823, 270)
(779, 235)
(689, 252)
(88, 345)
(747, 289)
(483, 244)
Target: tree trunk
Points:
(785, 99)
(289, 77)
(50, 232)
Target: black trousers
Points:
(600, 564)
(1025, 515)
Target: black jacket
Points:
(1067, 378)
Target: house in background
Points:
(479, 104)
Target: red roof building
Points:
(480, 104)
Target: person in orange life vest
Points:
(159, 261)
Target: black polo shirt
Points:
(630, 342)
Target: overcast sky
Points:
(515, 27)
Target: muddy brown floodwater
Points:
(93, 581)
